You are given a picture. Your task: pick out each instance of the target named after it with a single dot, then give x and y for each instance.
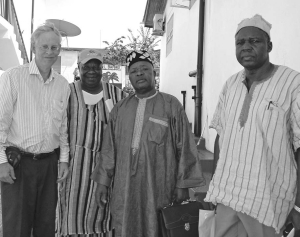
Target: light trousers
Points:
(230, 223)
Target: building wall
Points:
(23, 9)
(221, 19)
(175, 68)
(68, 64)
(10, 55)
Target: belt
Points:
(37, 156)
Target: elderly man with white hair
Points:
(257, 120)
(33, 125)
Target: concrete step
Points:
(207, 160)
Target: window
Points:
(169, 35)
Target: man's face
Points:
(91, 73)
(47, 49)
(142, 76)
(252, 47)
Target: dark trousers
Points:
(29, 204)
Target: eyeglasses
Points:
(53, 48)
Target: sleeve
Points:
(104, 170)
(112, 95)
(189, 172)
(7, 99)
(63, 139)
(295, 118)
(218, 120)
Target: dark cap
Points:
(136, 56)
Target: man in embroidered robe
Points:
(88, 111)
(257, 122)
(148, 153)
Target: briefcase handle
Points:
(178, 204)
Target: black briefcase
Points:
(180, 220)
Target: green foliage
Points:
(129, 89)
(117, 50)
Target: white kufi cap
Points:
(256, 21)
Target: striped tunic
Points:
(256, 173)
(78, 212)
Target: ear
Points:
(270, 46)
(154, 72)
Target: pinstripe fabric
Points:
(108, 234)
(78, 212)
(256, 171)
(33, 113)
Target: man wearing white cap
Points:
(88, 111)
(257, 120)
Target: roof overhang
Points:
(153, 7)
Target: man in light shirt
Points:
(33, 125)
(257, 120)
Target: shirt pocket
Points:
(57, 113)
(270, 115)
(158, 129)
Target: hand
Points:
(181, 194)
(293, 217)
(63, 172)
(7, 173)
(101, 195)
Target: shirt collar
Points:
(147, 98)
(244, 78)
(33, 69)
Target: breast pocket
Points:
(158, 128)
(270, 115)
(57, 113)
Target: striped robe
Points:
(256, 173)
(78, 212)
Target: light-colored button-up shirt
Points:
(33, 113)
(257, 173)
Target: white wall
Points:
(176, 66)
(10, 55)
(68, 64)
(23, 9)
